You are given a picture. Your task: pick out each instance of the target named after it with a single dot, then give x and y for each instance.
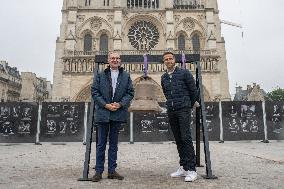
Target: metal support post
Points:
(89, 137)
(209, 174)
(221, 123)
(38, 124)
(85, 123)
(264, 122)
(131, 128)
(197, 131)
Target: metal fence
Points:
(67, 122)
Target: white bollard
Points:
(131, 128)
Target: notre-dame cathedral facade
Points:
(90, 27)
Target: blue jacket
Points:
(102, 95)
(179, 89)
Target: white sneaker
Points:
(179, 173)
(190, 176)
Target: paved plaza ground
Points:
(246, 164)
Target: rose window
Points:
(143, 35)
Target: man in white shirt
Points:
(112, 92)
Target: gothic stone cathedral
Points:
(90, 27)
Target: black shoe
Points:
(115, 175)
(97, 177)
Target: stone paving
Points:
(249, 164)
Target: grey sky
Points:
(257, 57)
(29, 28)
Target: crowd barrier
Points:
(67, 122)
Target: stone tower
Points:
(90, 27)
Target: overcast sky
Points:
(29, 28)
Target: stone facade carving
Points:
(188, 24)
(110, 18)
(177, 18)
(81, 18)
(129, 29)
(95, 24)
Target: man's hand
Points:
(111, 107)
(117, 105)
(196, 105)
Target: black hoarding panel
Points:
(18, 122)
(124, 135)
(242, 120)
(275, 120)
(152, 127)
(212, 120)
(62, 122)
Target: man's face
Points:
(114, 61)
(169, 61)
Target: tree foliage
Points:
(276, 95)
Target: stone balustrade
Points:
(83, 62)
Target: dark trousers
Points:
(180, 125)
(104, 130)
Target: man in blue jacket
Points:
(112, 92)
(181, 94)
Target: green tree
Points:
(276, 95)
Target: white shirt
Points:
(171, 72)
(114, 76)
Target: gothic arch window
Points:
(104, 42)
(106, 2)
(87, 2)
(181, 42)
(195, 42)
(143, 35)
(88, 42)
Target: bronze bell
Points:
(145, 98)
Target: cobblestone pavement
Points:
(144, 165)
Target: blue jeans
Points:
(110, 129)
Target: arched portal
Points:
(84, 95)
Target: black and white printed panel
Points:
(275, 120)
(62, 122)
(124, 132)
(152, 127)
(18, 122)
(212, 120)
(242, 120)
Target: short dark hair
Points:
(168, 52)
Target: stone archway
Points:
(84, 95)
